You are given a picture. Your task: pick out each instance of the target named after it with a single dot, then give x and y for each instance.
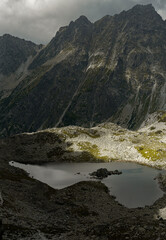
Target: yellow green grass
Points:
(152, 152)
(92, 149)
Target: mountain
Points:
(111, 70)
(15, 56)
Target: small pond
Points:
(135, 187)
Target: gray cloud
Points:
(38, 20)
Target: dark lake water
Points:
(135, 187)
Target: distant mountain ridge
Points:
(15, 56)
(112, 70)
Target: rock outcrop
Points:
(104, 173)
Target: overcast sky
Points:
(38, 20)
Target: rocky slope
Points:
(113, 69)
(105, 142)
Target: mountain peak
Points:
(144, 14)
(143, 7)
(9, 37)
(83, 20)
(13, 52)
(6, 35)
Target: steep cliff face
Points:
(129, 62)
(89, 73)
(145, 68)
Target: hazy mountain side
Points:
(14, 52)
(56, 87)
(9, 82)
(51, 91)
(113, 70)
(15, 57)
(75, 36)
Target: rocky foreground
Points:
(84, 211)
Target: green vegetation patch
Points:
(163, 117)
(150, 153)
(152, 128)
(105, 158)
(82, 157)
(91, 152)
(92, 148)
(70, 134)
(156, 134)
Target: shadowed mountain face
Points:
(15, 56)
(14, 52)
(89, 73)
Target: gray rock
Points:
(104, 173)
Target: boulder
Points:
(104, 173)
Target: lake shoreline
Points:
(134, 176)
(105, 143)
(82, 210)
(32, 209)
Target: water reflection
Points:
(135, 187)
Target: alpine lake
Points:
(137, 186)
